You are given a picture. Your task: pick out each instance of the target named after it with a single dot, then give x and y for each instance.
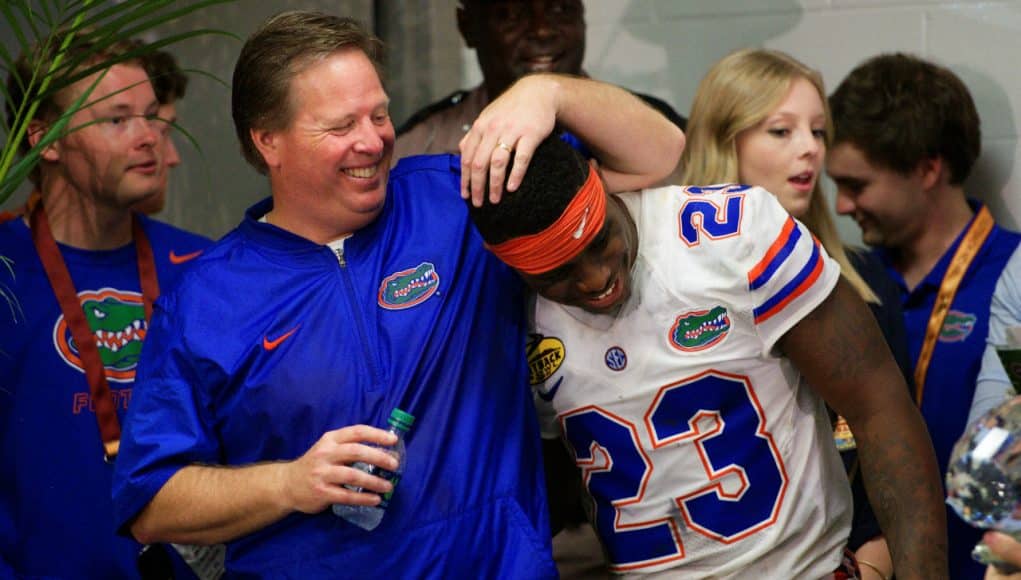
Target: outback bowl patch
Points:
(117, 320)
(545, 355)
(700, 329)
(957, 326)
(407, 288)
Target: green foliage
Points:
(5, 294)
(102, 23)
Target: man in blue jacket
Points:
(353, 290)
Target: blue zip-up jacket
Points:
(272, 340)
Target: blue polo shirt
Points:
(956, 359)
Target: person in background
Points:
(760, 118)
(691, 336)
(170, 83)
(906, 136)
(353, 290)
(511, 38)
(85, 271)
(994, 386)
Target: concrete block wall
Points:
(664, 47)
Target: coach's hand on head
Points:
(512, 126)
(635, 144)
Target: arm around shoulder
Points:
(637, 146)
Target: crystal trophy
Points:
(984, 477)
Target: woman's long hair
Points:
(739, 92)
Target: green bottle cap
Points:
(401, 419)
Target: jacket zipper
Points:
(345, 274)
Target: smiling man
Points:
(85, 273)
(511, 38)
(699, 332)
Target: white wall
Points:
(664, 47)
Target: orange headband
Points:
(563, 239)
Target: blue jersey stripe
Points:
(777, 260)
(791, 289)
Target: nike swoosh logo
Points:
(182, 258)
(272, 344)
(581, 228)
(548, 395)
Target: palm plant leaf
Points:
(5, 293)
(101, 23)
(33, 24)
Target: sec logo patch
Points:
(615, 358)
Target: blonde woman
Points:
(760, 117)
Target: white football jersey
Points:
(705, 453)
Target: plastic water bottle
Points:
(368, 517)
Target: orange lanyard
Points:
(977, 233)
(70, 306)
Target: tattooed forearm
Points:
(902, 481)
(841, 352)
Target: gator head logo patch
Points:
(545, 355)
(117, 320)
(957, 326)
(407, 288)
(700, 329)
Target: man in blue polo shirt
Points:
(906, 137)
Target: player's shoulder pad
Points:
(430, 110)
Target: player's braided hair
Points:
(554, 176)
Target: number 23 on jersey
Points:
(713, 414)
